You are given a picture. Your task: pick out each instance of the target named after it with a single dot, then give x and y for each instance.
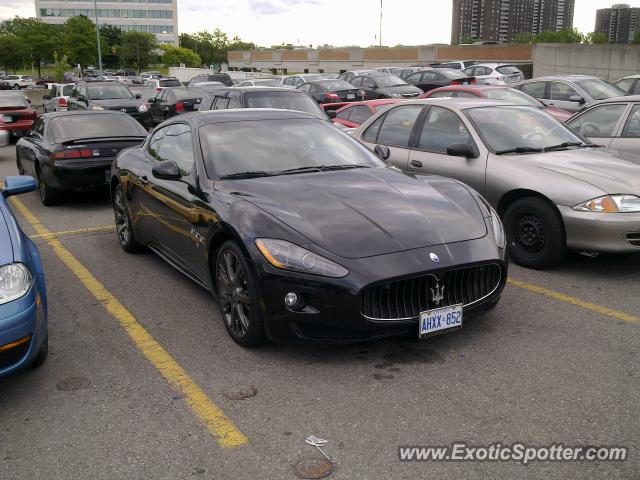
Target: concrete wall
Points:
(609, 62)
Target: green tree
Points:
(636, 39)
(595, 38)
(566, 35)
(136, 49)
(60, 65)
(174, 56)
(80, 41)
(111, 38)
(11, 53)
(523, 38)
(37, 39)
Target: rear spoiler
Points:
(102, 139)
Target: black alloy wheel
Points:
(48, 196)
(236, 286)
(535, 233)
(123, 222)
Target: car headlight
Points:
(96, 107)
(15, 281)
(287, 256)
(611, 204)
(498, 229)
(142, 108)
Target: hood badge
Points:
(434, 258)
(437, 293)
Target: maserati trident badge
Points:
(435, 258)
(437, 294)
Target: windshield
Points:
(192, 92)
(170, 83)
(508, 70)
(335, 85)
(388, 81)
(512, 95)
(507, 128)
(599, 89)
(284, 100)
(108, 92)
(12, 101)
(67, 89)
(248, 146)
(451, 74)
(99, 125)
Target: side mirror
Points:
(576, 98)
(17, 184)
(383, 152)
(167, 170)
(460, 150)
(138, 96)
(331, 114)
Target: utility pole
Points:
(95, 12)
(380, 34)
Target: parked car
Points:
(569, 92)
(215, 77)
(165, 82)
(350, 75)
(174, 101)
(56, 100)
(495, 74)
(391, 70)
(261, 82)
(23, 305)
(332, 91)
(354, 114)
(456, 64)
(17, 114)
(553, 190)
(17, 82)
(384, 85)
(146, 93)
(74, 150)
(629, 84)
(431, 78)
(613, 123)
(128, 81)
(109, 96)
(405, 72)
(286, 230)
(496, 92)
(296, 80)
(261, 97)
(147, 75)
(45, 80)
(211, 86)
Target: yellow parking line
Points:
(625, 317)
(216, 421)
(106, 228)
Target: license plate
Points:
(351, 96)
(439, 321)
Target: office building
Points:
(620, 23)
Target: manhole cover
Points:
(241, 393)
(313, 468)
(71, 384)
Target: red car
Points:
(17, 114)
(496, 92)
(355, 113)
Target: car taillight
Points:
(179, 107)
(331, 96)
(158, 89)
(74, 153)
(62, 102)
(455, 82)
(473, 81)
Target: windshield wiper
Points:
(520, 150)
(317, 168)
(562, 145)
(254, 174)
(327, 168)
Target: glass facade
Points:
(105, 13)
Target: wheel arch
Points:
(513, 196)
(226, 232)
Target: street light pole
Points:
(95, 12)
(380, 33)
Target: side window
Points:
(428, 76)
(177, 146)
(158, 96)
(221, 103)
(344, 114)
(561, 91)
(535, 89)
(305, 87)
(625, 84)
(359, 114)
(287, 81)
(636, 89)
(356, 82)
(368, 83)
(632, 127)
(155, 141)
(441, 129)
(164, 95)
(297, 81)
(234, 100)
(372, 131)
(598, 121)
(414, 78)
(38, 126)
(398, 124)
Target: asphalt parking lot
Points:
(558, 361)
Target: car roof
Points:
(622, 98)
(71, 113)
(568, 78)
(262, 88)
(629, 76)
(207, 117)
(471, 87)
(460, 103)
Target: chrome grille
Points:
(405, 299)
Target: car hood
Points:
(609, 170)
(401, 89)
(117, 102)
(6, 246)
(366, 212)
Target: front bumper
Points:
(79, 174)
(21, 318)
(333, 309)
(601, 232)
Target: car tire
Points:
(236, 286)
(42, 353)
(16, 86)
(124, 225)
(48, 196)
(535, 233)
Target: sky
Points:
(319, 22)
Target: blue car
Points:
(23, 296)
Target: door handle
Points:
(144, 180)
(416, 163)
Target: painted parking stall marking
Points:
(223, 429)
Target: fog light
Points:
(294, 301)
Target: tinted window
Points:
(632, 127)
(177, 146)
(356, 82)
(451, 74)
(371, 133)
(599, 89)
(389, 81)
(535, 89)
(508, 70)
(561, 91)
(38, 126)
(344, 114)
(397, 125)
(66, 90)
(414, 77)
(442, 129)
(598, 121)
(248, 146)
(95, 126)
(284, 100)
(360, 114)
(170, 83)
(426, 76)
(108, 92)
(156, 140)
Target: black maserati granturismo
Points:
(302, 234)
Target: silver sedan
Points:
(552, 190)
